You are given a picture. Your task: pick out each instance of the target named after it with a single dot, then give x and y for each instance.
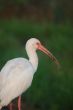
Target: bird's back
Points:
(16, 62)
(16, 77)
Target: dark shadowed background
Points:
(51, 21)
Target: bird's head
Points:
(34, 44)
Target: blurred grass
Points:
(51, 89)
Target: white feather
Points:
(14, 79)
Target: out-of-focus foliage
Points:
(51, 89)
(52, 10)
(2, 2)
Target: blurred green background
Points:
(51, 21)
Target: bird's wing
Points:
(13, 69)
(1, 80)
(17, 76)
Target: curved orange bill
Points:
(51, 56)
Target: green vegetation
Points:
(51, 89)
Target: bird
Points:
(17, 74)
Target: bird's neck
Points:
(33, 58)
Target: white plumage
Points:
(17, 74)
(15, 79)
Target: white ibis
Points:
(17, 74)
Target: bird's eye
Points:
(37, 45)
